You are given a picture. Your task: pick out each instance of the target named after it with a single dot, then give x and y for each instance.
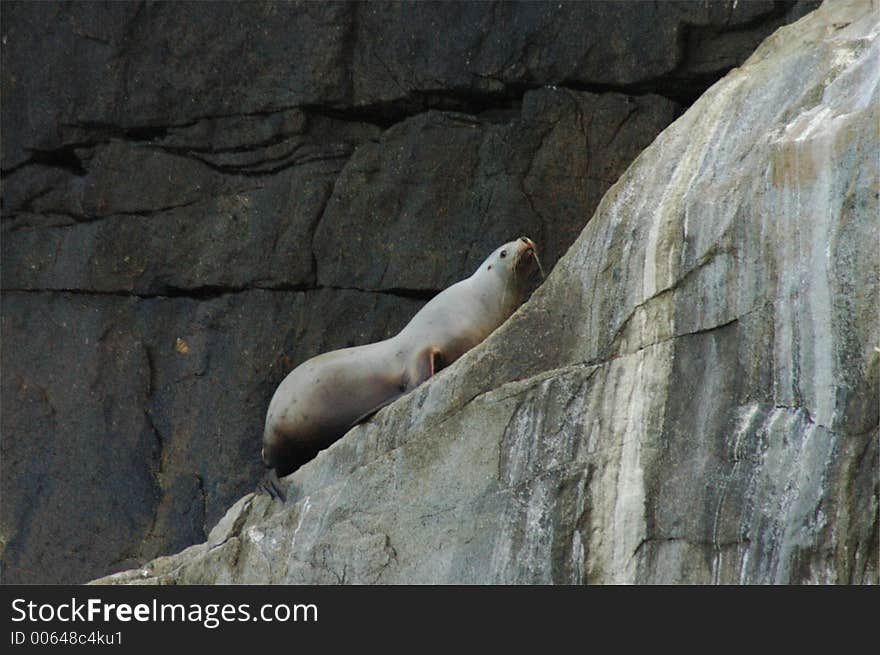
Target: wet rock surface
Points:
(193, 203)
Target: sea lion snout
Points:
(531, 249)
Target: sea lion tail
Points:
(271, 486)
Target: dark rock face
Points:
(197, 198)
(131, 66)
(470, 182)
(118, 411)
(77, 445)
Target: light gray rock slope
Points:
(692, 396)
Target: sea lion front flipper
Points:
(271, 486)
(428, 362)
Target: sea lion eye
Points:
(504, 253)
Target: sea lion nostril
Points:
(524, 239)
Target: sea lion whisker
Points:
(504, 292)
(534, 253)
(538, 262)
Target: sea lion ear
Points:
(427, 362)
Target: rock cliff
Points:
(691, 396)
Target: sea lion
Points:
(325, 396)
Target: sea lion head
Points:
(515, 264)
(516, 260)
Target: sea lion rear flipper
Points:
(271, 486)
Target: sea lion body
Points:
(326, 395)
(322, 398)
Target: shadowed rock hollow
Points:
(691, 396)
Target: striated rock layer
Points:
(692, 396)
